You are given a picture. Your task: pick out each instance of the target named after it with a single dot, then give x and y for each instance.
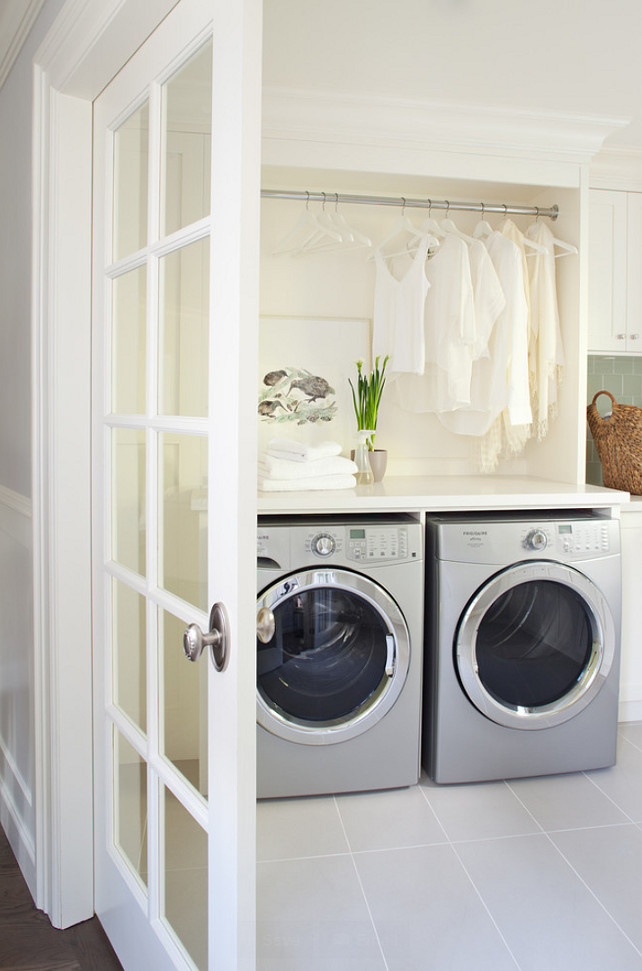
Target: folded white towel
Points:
(287, 448)
(275, 468)
(306, 485)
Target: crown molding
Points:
(614, 168)
(295, 114)
(16, 20)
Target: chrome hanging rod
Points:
(482, 207)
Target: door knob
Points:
(265, 625)
(195, 641)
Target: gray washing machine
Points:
(339, 653)
(522, 642)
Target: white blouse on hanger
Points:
(449, 322)
(500, 380)
(398, 318)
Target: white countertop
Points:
(445, 493)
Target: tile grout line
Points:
(363, 892)
(470, 879)
(594, 895)
(485, 906)
(570, 865)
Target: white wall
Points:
(16, 577)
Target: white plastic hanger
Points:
(482, 228)
(430, 224)
(327, 235)
(304, 229)
(417, 234)
(351, 238)
(528, 243)
(568, 248)
(448, 226)
(404, 226)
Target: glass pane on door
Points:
(130, 805)
(128, 342)
(184, 322)
(186, 878)
(187, 136)
(128, 456)
(184, 722)
(183, 520)
(131, 155)
(129, 632)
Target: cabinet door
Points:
(607, 271)
(634, 273)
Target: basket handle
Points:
(597, 395)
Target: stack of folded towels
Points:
(289, 466)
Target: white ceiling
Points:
(572, 56)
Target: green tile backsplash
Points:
(622, 376)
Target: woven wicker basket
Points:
(618, 440)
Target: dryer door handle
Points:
(391, 656)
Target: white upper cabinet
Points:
(615, 272)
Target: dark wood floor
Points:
(28, 942)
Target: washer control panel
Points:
(361, 543)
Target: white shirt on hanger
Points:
(398, 317)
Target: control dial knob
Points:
(536, 539)
(323, 544)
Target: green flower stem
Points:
(366, 398)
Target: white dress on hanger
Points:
(398, 317)
(546, 351)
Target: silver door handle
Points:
(195, 641)
(390, 655)
(265, 625)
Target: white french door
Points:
(176, 202)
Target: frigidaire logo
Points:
(475, 532)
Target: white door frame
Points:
(87, 44)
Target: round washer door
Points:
(534, 645)
(337, 660)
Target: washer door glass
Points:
(534, 645)
(337, 660)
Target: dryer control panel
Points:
(503, 540)
(568, 537)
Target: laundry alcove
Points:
(338, 285)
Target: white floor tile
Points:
(389, 819)
(291, 828)
(427, 913)
(632, 731)
(623, 782)
(480, 811)
(609, 859)
(312, 916)
(566, 802)
(548, 916)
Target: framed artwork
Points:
(304, 366)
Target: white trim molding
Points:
(322, 116)
(16, 20)
(617, 169)
(85, 47)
